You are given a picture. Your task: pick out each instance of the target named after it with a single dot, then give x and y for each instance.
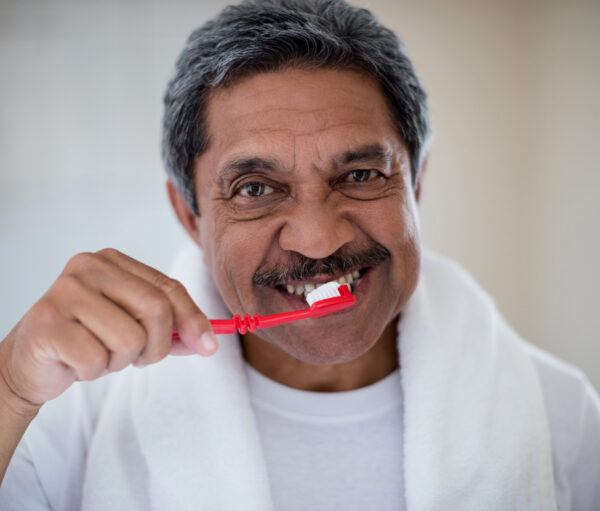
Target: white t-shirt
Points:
(296, 450)
(331, 450)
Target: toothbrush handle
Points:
(244, 323)
(219, 326)
(224, 326)
(281, 318)
(247, 322)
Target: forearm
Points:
(15, 416)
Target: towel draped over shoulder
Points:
(181, 435)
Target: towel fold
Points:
(181, 434)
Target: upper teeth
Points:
(304, 289)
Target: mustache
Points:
(301, 267)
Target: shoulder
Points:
(573, 409)
(566, 389)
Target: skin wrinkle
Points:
(242, 164)
(304, 126)
(315, 218)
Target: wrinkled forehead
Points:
(305, 95)
(330, 115)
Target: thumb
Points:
(206, 344)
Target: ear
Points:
(185, 215)
(419, 183)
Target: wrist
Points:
(15, 405)
(10, 401)
(16, 414)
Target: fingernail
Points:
(209, 343)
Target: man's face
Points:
(306, 180)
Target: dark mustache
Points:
(301, 267)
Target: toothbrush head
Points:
(329, 298)
(329, 290)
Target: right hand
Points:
(104, 312)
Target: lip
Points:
(321, 279)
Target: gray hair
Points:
(267, 35)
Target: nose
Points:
(315, 230)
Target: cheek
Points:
(233, 253)
(410, 223)
(408, 251)
(394, 224)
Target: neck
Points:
(373, 365)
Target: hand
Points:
(104, 312)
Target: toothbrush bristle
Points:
(329, 290)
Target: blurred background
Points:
(513, 186)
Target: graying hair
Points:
(268, 35)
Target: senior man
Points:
(295, 136)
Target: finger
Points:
(79, 349)
(125, 337)
(190, 321)
(178, 348)
(145, 303)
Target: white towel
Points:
(181, 435)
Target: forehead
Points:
(297, 111)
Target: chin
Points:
(325, 345)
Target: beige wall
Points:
(566, 140)
(512, 187)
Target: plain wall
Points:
(511, 190)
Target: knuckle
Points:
(169, 285)
(155, 304)
(109, 253)
(135, 340)
(97, 361)
(44, 311)
(68, 284)
(81, 261)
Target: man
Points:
(295, 136)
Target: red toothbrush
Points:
(328, 298)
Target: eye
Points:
(361, 175)
(254, 189)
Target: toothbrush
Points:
(325, 299)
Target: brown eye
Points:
(255, 189)
(361, 175)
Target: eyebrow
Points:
(239, 166)
(368, 152)
(245, 165)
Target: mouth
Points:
(299, 289)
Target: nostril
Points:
(316, 239)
